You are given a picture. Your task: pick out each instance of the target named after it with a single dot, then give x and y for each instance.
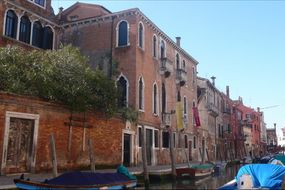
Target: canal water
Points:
(210, 182)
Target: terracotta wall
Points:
(106, 134)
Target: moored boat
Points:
(196, 171)
(81, 180)
(256, 176)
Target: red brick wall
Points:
(105, 133)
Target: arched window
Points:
(154, 99)
(177, 61)
(193, 74)
(184, 65)
(122, 87)
(11, 24)
(47, 38)
(25, 30)
(122, 33)
(37, 34)
(184, 105)
(154, 42)
(141, 35)
(194, 142)
(141, 94)
(163, 98)
(162, 49)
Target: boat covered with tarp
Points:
(256, 176)
(196, 170)
(83, 180)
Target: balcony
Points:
(227, 111)
(166, 67)
(166, 119)
(181, 77)
(212, 109)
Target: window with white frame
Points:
(177, 61)
(165, 139)
(185, 111)
(185, 141)
(141, 94)
(163, 98)
(47, 38)
(154, 99)
(139, 136)
(162, 49)
(122, 34)
(25, 29)
(37, 34)
(154, 46)
(194, 142)
(184, 65)
(11, 24)
(156, 139)
(41, 3)
(122, 87)
(141, 35)
(174, 140)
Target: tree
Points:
(61, 75)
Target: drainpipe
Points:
(111, 48)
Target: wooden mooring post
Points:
(53, 156)
(91, 155)
(145, 169)
(172, 156)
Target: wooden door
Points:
(149, 142)
(20, 143)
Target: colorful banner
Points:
(179, 117)
(196, 116)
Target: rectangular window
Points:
(165, 139)
(140, 137)
(40, 2)
(186, 141)
(156, 138)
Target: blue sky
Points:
(242, 43)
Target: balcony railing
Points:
(166, 67)
(181, 76)
(166, 119)
(227, 111)
(212, 109)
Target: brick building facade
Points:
(157, 76)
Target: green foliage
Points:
(130, 114)
(62, 75)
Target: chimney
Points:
(258, 109)
(178, 41)
(60, 9)
(213, 80)
(228, 91)
(274, 125)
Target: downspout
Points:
(111, 48)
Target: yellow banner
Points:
(179, 117)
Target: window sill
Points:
(124, 46)
(141, 110)
(21, 43)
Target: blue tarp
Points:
(264, 175)
(87, 178)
